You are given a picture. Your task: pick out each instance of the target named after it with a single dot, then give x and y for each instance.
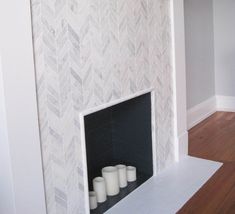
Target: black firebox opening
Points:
(120, 134)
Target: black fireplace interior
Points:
(120, 134)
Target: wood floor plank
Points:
(228, 205)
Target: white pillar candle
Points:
(110, 175)
(92, 200)
(99, 188)
(122, 175)
(131, 173)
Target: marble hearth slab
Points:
(167, 192)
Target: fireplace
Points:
(119, 133)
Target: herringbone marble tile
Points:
(89, 52)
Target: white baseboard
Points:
(183, 145)
(201, 111)
(225, 103)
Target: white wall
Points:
(199, 51)
(179, 77)
(21, 184)
(210, 54)
(7, 203)
(224, 16)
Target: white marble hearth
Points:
(167, 192)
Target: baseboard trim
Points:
(183, 145)
(201, 111)
(225, 103)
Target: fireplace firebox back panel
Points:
(120, 134)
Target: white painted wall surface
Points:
(199, 51)
(7, 203)
(224, 16)
(20, 143)
(178, 36)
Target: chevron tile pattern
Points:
(87, 53)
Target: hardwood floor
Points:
(214, 139)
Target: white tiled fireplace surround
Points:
(88, 53)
